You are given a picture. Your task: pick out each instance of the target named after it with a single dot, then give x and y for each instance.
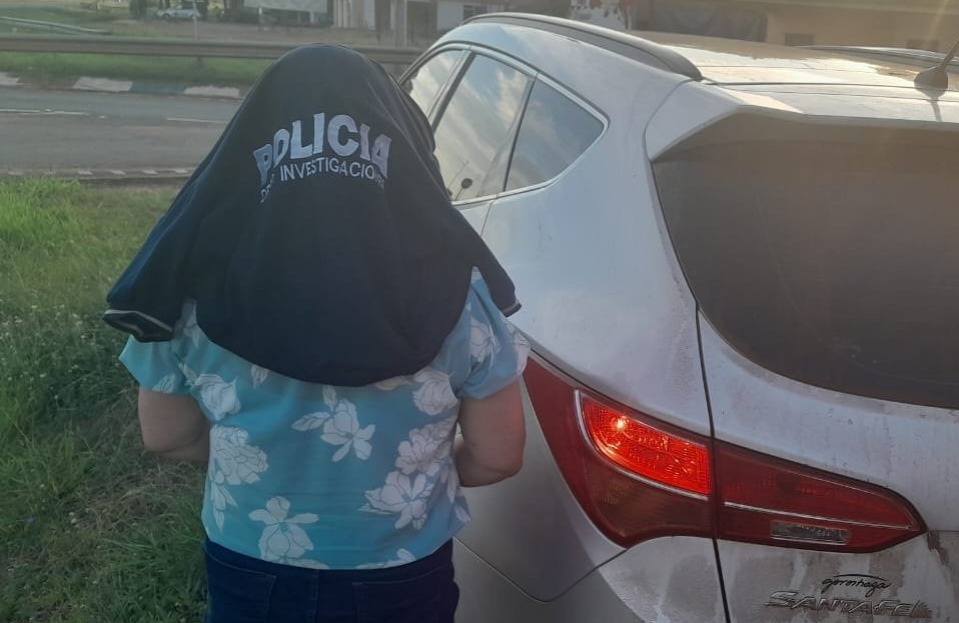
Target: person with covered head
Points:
(313, 319)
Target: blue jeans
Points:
(248, 590)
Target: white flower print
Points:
(258, 375)
(311, 421)
(166, 384)
(402, 495)
(483, 343)
(521, 345)
(220, 496)
(451, 477)
(218, 396)
(394, 383)
(435, 394)
(462, 510)
(329, 396)
(190, 328)
(403, 557)
(282, 540)
(426, 449)
(343, 429)
(233, 458)
(188, 374)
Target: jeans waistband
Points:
(442, 556)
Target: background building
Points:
(926, 24)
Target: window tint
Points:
(554, 132)
(828, 255)
(425, 84)
(475, 132)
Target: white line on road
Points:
(84, 172)
(180, 171)
(150, 171)
(189, 120)
(15, 173)
(30, 111)
(117, 172)
(103, 84)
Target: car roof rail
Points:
(630, 46)
(907, 55)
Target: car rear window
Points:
(554, 132)
(828, 256)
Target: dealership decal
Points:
(868, 603)
(855, 580)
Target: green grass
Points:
(104, 19)
(71, 16)
(53, 67)
(91, 529)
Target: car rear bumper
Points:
(668, 580)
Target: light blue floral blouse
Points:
(334, 477)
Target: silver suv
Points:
(739, 265)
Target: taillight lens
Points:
(625, 496)
(646, 450)
(766, 500)
(639, 478)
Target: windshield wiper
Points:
(937, 77)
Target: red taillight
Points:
(646, 450)
(765, 500)
(639, 478)
(623, 497)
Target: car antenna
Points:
(937, 77)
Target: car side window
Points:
(425, 84)
(554, 132)
(475, 133)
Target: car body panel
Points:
(624, 590)
(915, 580)
(551, 544)
(730, 61)
(694, 106)
(907, 448)
(476, 212)
(590, 312)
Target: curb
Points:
(109, 85)
(105, 177)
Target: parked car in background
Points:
(190, 9)
(178, 13)
(739, 270)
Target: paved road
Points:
(56, 130)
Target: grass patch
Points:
(91, 530)
(69, 16)
(104, 19)
(53, 67)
